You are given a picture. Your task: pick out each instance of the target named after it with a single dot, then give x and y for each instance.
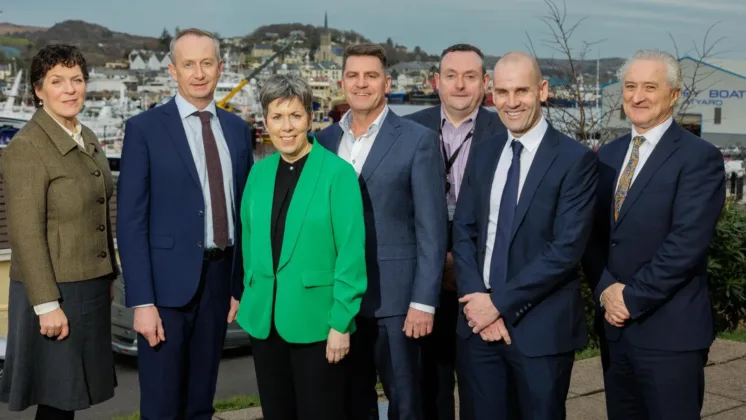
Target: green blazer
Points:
(321, 275)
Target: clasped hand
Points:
(613, 302)
(484, 318)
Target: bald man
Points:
(521, 225)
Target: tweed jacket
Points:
(57, 205)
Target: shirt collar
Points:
(656, 133)
(532, 139)
(346, 120)
(187, 110)
(78, 127)
(471, 118)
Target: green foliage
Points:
(727, 268)
(14, 42)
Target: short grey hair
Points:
(195, 32)
(286, 87)
(673, 68)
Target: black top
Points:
(287, 179)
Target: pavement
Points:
(725, 388)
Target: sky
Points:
(495, 26)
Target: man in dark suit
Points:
(402, 179)
(184, 167)
(460, 122)
(521, 225)
(661, 190)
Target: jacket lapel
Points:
(304, 191)
(175, 128)
(667, 145)
(486, 167)
(617, 162)
(230, 140)
(261, 212)
(545, 155)
(386, 137)
(483, 124)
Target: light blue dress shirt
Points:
(193, 130)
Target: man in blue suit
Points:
(521, 226)
(661, 190)
(184, 167)
(402, 179)
(461, 121)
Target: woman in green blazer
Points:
(303, 240)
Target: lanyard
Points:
(450, 161)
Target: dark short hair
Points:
(49, 57)
(365, 50)
(463, 48)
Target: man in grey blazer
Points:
(402, 177)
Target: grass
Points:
(13, 42)
(228, 404)
(737, 335)
(587, 353)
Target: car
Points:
(124, 337)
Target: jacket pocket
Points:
(247, 278)
(161, 241)
(318, 278)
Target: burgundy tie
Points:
(215, 177)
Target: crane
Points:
(224, 102)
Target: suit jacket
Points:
(160, 219)
(403, 185)
(488, 124)
(658, 246)
(541, 301)
(320, 278)
(57, 204)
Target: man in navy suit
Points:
(521, 225)
(402, 179)
(461, 122)
(184, 167)
(661, 190)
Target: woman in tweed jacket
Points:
(57, 190)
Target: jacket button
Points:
(102, 254)
(517, 314)
(199, 244)
(200, 213)
(613, 243)
(96, 173)
(101, 200)
(101, 228)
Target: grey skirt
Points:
(72, 374)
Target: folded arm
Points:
(572, 227)
(700, 196)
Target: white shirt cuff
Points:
(144, 305)
(45, 308)
(424, 308)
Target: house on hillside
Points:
(148, 60)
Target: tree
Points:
(164, 42)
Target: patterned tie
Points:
(499, 263)
(215, 179)
(625, 181)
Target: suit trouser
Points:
(439, 364)
(505, 384)
(296, 381)
(645, 384)
(380, 346)
(178, 377)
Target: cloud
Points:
(708, 6)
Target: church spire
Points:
(326, 21)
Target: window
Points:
(718, 115)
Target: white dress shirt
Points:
(530, 142)
(356, 150)
(44, 308)
(652, 138)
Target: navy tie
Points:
(499, 262)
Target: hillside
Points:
(9, 28)
(99, 44)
